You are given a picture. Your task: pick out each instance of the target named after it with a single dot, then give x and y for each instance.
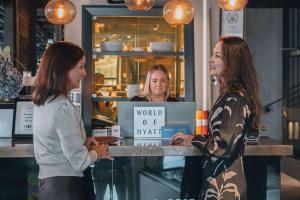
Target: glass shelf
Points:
(122, 53)
(96, 99)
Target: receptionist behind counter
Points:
(156, 86)
(157, 89)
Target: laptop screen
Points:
(176, 114)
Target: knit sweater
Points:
(59, 136)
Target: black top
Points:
(137, 98)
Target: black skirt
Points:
(61, 188)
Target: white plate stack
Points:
(111, 46)
(161, 46)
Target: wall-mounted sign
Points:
(232, 23)
(23, 118)
(148, 122)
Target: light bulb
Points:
(232, 4)
(139, 4)
(60, 11)
(178, 12)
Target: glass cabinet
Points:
(122, 46)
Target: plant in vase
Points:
(10, 77)
(132, 84)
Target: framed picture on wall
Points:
(233, 23)
(23, 118)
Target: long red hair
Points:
(239, 74)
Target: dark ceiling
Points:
(273, 4)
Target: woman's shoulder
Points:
(60, 104)
(236, 97)
(235, 94)
(172, 99)
(138, 98)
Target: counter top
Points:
(10, 148)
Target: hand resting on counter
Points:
(182, 139)
(102, 151)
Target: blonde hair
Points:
(146, 93)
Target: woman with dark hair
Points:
(156, 87)
(61, 148)
(236, 111)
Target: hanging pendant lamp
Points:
(139, 4)
(232, 4)
(178, 12)
(60, 11)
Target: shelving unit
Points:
(109, 72)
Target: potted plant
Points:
(10, 79)
(132, 81)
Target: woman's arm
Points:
(67, 123)
(227, 125)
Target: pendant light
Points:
(60, 11)
(139, 4)
(178, 12)
(232, 4)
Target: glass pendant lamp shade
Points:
(139, 4)
(178, 12)
(60, 11)
(232, 4)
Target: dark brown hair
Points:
(239, 74)
(57, 61)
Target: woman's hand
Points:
(89, 141)
(102, 151)
(182, 139)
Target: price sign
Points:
(23, 118)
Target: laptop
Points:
(177, 114)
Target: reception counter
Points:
(138, 164)
(23, 148)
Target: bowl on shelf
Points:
(111, 46)
(161, 46)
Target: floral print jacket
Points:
(222, 167)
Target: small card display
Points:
(148, 122)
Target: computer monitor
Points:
(176, 114)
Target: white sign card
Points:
(148, 122)
(232, 23)
(6, 122)
(23, 120)
(147, 142)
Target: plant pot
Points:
(132, 90)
